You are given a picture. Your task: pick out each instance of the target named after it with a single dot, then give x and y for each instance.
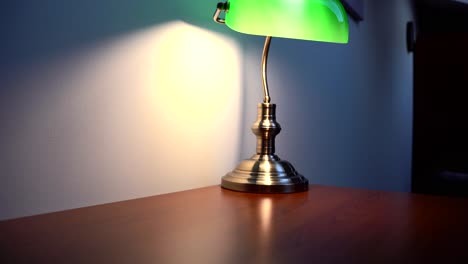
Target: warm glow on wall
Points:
(136, 115)
(196, 74)
(195, 94)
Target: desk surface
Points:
(212, 225)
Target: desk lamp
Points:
(319, 20)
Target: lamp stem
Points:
(266, 48)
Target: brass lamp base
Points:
(265, 172)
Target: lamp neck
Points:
(266, 128)
(266, 49)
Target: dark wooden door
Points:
(440, 132)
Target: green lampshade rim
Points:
(315, 20)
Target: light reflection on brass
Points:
(266, 49)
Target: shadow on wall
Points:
(113, 116)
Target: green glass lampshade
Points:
(319, 20)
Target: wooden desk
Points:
(212, 225)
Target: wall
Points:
(103, 101)
(92, 104)
(345, 110)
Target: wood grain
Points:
(213, 225)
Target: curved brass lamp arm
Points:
(224, 7)
(266, 48)
(220, 8)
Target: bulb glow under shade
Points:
(319, 20)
